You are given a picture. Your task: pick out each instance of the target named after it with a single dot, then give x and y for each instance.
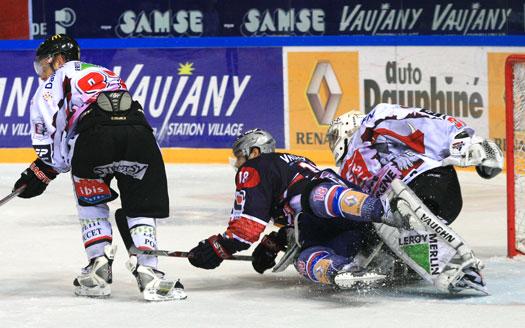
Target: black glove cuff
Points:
(42, 171)
(216, 243)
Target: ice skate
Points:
(95, 279)
(153, 285)
(353, 276)
(464, 276)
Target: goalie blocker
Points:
(431, 248)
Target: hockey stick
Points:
(135, 251)
(12, 195)
(122, 225)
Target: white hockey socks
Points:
(96, 235)
(144, 235)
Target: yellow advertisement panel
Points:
(321, 86)
(496, 81)
(496, 72)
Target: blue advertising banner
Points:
(194, 98)
(195, 18)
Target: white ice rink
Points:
(41, 252)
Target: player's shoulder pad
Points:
(250, 173)
(247, 176)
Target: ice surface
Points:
(41, 252)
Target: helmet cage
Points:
(341, 131)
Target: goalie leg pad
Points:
(453, 258)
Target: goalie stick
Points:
(12, 195)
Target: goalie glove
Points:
(492, 164)
(476, 151)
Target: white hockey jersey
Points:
(398, 142)
(58, 104)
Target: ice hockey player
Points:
(84, 120)
(414, 145)
(418, 147)
(334, 219)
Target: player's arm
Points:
(466, 150)
(43, 112)
(455, 143)
(249, 217)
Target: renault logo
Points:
(324, 114)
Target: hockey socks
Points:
(96, 235)
(320, 264)
(143, 233)
(330, 200)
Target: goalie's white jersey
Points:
(59, 102)
(398, 142)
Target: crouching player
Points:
(335, 218)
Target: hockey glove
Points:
(263, 256)
(209, 253)
(36, 178)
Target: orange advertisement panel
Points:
(496, 81)
(321, 86)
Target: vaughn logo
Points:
(469, 20)
(378, 20)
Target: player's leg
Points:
(440, 191)
(327, 199)
(431, 248)
(142, 183)
(92, 193)
(334, 261)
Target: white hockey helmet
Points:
(255, 138)
(340, 132)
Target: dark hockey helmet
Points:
(59, 44)
(255, 138)
(54, 45)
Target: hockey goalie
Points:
(409, 154)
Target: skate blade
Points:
(95, 292)
(348, 280)
(165, 291)
(482, 289)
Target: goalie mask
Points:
(340, 132)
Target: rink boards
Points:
(198, 95)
